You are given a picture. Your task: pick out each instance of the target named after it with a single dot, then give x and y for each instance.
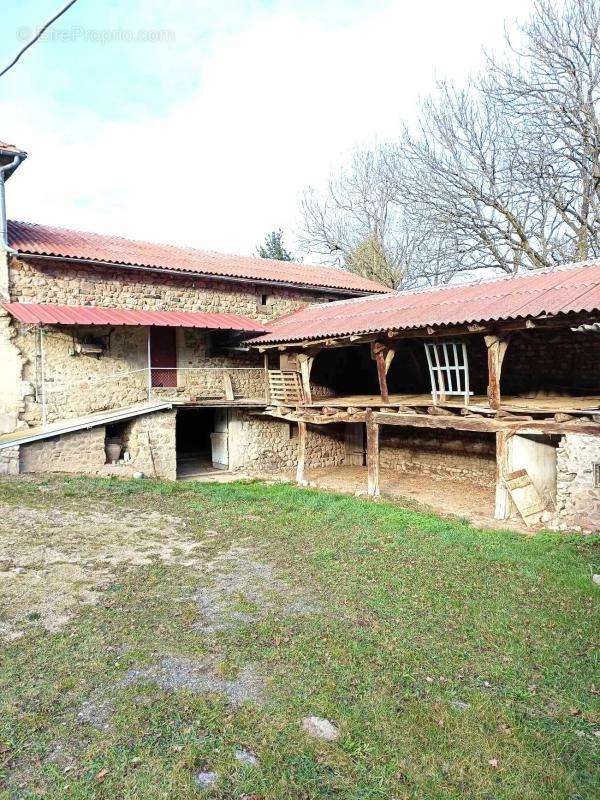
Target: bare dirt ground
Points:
(52, 560)
(444, 495)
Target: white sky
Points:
(210, 141)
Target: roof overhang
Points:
(47, 314)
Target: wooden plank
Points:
(525, 496)
(354, 440)
(372, 456)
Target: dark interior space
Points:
(562, 362)
(352, 371)
(344, 371)
(192, 435)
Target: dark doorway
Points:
(163, 356)
(200, 441)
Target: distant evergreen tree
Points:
(273, 247)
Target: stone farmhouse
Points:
(120, 357)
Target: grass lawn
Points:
(152, 631)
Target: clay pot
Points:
(112, 448)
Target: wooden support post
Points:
(302, 436)
(372, 456)
(382, 355)
(306, 362)
(496, 350)
(228, 386)
(266, 365)
(502, 503)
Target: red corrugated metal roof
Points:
(572, 288)
(30, 239)
(95, 315)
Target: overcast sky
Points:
(201, 121)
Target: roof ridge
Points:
(187, 248)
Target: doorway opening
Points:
(201, 436)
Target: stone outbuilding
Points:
(120, 357)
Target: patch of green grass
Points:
(457, 663)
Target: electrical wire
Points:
(37, 36)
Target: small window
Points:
(597, 476)
(293, 430)
(263, 299)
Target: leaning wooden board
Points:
(525, 496)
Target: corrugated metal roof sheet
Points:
(95, 315)
(571, 288)
(31, 239)
(25, 435)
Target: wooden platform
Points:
(547, 404)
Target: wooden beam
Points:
(302, 437)
(372, 456)
(382, 354)
(306, 362)
(496, 350)
(487, 424)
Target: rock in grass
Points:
(246, 757)
(596, 579)
(460, 704)
(320, 728)
(206, 779)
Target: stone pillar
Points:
(577, 495)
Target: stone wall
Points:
(439, 452)
(80, 452)
(9, 461)
(13, 391)
(150, 441)
(268, 445)
(578, 500)
(62, 283)
(81, 384)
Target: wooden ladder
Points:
(525, 496)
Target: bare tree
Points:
(550, 91)
(359, 224)
(504, 175)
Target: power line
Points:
(37, 36)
